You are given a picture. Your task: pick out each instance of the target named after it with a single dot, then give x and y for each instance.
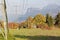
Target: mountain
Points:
(30, 12)
(52, 9)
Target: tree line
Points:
(38, 21)
(41, 21)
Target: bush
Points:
(43, 26)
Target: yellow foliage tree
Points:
(39, 19)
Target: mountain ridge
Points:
(51, 9)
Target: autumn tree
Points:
(39, 19)
(29, 21)
(25, 24)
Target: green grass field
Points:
(35, 34)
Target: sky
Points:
(17, 8)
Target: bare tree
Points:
(6, 30)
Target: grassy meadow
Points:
(34, 34)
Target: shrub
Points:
(43, 26)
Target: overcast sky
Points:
(19, 7)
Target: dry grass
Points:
(35, 34)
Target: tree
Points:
(47, 17)
(6, 31)
(49, 20)
(29, 21)
(57, 19)
(39, 19)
